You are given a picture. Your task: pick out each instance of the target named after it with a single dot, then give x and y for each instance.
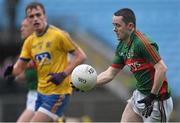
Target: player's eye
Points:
(31, 16)
(116, 25)
(38, 15)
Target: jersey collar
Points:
(131, 39)
(41, 34)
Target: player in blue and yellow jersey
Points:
(48, 47)
(151, 101)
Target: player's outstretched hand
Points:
(57, 78)
(8, 73)
(149, 102)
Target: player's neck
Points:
(43, 31)
(128, 39)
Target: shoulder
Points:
(119, 46)
(142, 39)
(30, 38)
(57, 30)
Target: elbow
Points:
(164, 69)
(161, 67)
(80, 55)
(83, 57)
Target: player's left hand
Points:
(149, 102)
(57, 78)
(76, 89)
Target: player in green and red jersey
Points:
(30, 76)
(151, 101)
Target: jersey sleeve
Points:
(68, 44)
(25, 54)
(149, 51)
(118, 61)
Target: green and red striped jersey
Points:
(31, 78)
(140, 54)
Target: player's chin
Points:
(119, 38)
(37, 29)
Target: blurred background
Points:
(89, 22)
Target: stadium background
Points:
(90, 24)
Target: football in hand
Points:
(84, 77)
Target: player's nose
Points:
(35, 18)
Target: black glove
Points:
(76, 89)
(149, 102)
(8, 73)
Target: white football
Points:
(84, 77)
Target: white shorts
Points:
(31, 100)
(161, 109)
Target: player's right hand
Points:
(8, 73)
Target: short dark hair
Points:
(127, 14)
(35, 5)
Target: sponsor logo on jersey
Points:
(130, 54)
(43, 58)
(134, 66)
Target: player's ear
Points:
(130, 26)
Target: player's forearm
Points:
(17, 71)
(103, 78)
(160, 73)
(106, 76)
(18, 68)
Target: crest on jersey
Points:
(48, 44)
(44, 57)
(130, 54)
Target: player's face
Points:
(37, 18)
(26, 29)
(120, 28)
